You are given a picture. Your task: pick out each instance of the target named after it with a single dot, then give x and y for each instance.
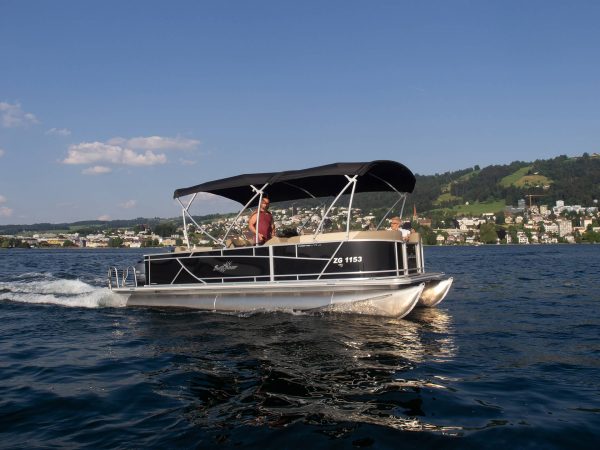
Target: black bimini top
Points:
(321, 181)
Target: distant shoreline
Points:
(424, 245)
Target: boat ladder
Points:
(121, 278)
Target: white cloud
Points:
(59, 132)
(96, 170)
(91, 152)
(104, 217)
(12, 115)
(96, 152)
(128, 204)
(148, 158)
(156, 143)
(2, 199)
(138, 151)
(187, 162)
(2, 152)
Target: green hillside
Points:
(513, 178)
(525, 178)
(475, 209)
(572, 179)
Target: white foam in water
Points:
(57, 287)
(72, 293)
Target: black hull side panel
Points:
(289, 262)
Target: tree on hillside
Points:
(501, 232)
(139, 228)
(146, 242)
(428, 237)
(13, 243)
(115, 242)
(487, 233)
(575, 179)
(590, 236)
(165, 229)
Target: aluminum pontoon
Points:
(369, 272)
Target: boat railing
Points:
(272, 261)
(122, 278)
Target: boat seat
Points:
(276, 240)
(386, 235)
(183, 248)
(237, 242)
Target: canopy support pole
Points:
(183, 210)
(353, 180)
(257, 192)
(403, 203)
(200, 227)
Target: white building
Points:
(565, 227)
(551, 227)
(585, 221)
(468, 223)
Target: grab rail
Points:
(127, 278)
(113, 274)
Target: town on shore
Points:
(519, 224)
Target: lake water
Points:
(510, 359)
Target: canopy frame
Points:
(375, 176)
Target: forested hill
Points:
(576, 180)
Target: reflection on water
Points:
(335, 369)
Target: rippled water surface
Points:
(511, 358)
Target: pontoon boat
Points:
(356, 271)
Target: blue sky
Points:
(107, 107)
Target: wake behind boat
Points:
(370, 272)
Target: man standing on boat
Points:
(266, 225)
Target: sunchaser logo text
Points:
(224, 267)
